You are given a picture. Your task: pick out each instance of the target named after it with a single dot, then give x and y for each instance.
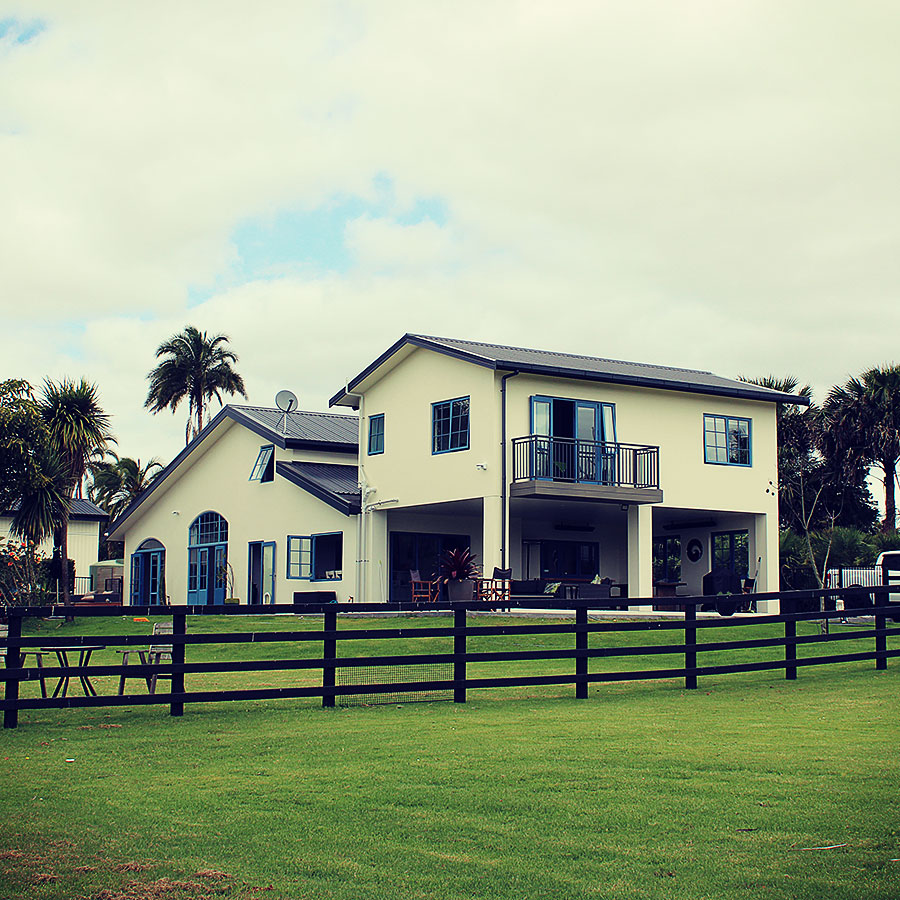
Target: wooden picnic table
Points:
(84, 659)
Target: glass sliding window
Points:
(726, 440)
(376, 434)
(450, 425)
(264, 468)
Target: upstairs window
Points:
(264, 468)
(376, 434)
(726, 440)
(450, 425)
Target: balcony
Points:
(568, 468)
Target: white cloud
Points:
(700, 184)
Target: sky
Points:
(703, 184)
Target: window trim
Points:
(450, 402)
(728, 419)
(372, 419)
(264, 467)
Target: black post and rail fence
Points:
(430, 675)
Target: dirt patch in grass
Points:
(161, 889)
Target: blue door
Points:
(207, 559)
(574, 440)
(148, 578)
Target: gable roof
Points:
(336, 485)
(295, 430)
(569, 365)
(299, 429)
(80, 509)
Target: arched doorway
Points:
(148, 574)
(207, 559)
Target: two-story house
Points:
(260, 504)
(562, 467)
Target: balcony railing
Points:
(540, 458)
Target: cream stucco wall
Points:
(215, 478)
(673, 421)
(407, 471)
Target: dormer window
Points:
(264, 468)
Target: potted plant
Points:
(457, 569)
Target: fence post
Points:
(581, 660)
(880, 641)
(690, 646)
(13, 661)
(329, 651)
(790, 646)
(459, 655)
(179, 628)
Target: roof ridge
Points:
(293, 412)
(606, 359)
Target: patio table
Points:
(84, 659)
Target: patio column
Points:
(640, 553)
(491, 535)
(765, 549)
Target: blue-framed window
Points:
(264, 467)
(376, 434)
(450, 425)
(726, 440)
(315, 557)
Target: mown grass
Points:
(645, 790)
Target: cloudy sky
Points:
(704, 183)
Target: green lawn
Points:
(644, 790)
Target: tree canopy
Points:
(193, 367)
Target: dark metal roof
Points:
(589, 368)
(309, 430)
(304, 430)
(80, 509)
(336, 485)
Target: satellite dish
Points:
(286, 401)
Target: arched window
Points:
(207, 559)
(148, 574)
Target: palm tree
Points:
(77, 428)
(43, 510)
(196, 367)
(862, 420)
(117, 484)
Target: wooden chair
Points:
(159, 653)
(153, 655)
(422, 590)
(497, 586)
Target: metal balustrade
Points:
(538, 457)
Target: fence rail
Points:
(453, 661)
